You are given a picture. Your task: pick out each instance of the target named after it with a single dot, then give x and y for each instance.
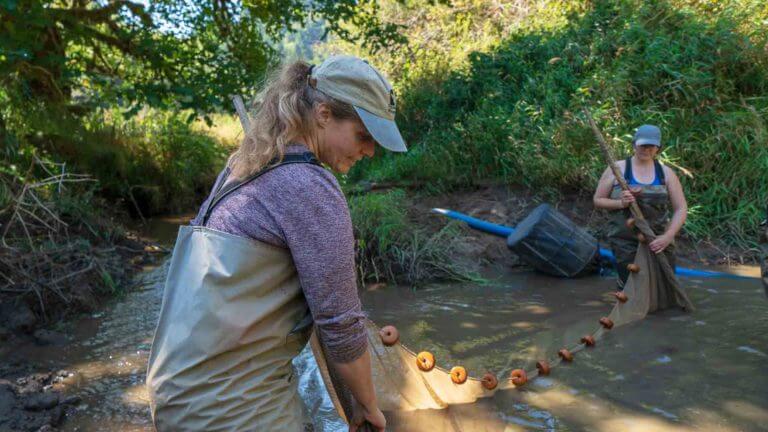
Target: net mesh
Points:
(551, 243)
(414, 399)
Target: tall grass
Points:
(155, 159)
(697, 69)
(391, 246)
(151, 163)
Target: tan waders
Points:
(233, 317)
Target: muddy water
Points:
(671, 371)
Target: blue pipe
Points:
(505, 231)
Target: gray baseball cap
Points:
(352, 80)
(647, 135)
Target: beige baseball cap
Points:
(352, 80)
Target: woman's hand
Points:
(374, 416)
(660, 243)
(627, 198)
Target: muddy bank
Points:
(33, 378)
(93, 378)
(32, 402)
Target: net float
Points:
(518, 377)
(425, 360)
(630, 223)
(489, 381)
(565, 355)
(606, 322)
(458, 374)
(389, 335)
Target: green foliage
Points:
(154, 162)
(510, 109)
(391, 246)
(57, 237)
(156, 159)
(164, 53)
(74, 74)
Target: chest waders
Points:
(232, 319)
(654, 203)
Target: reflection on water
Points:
(162, 229)
(671, 371)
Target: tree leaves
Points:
(167, 53)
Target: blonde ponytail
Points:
(284, 113)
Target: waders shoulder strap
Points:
(223, 191)
(659, 172)
(628, 170)
(628, 176)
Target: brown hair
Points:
(284, 112)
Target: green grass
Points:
(511, 111)
(392, 246)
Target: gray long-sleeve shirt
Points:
(301, 207)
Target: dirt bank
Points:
(508, 206)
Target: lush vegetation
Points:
(498, 95)
(488, 91)
(107, 106)
(391, 246)
(74, 75)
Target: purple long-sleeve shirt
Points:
(301, 207)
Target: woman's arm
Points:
(357, 376)
(601, 198)
(314, 217)
(679, 204)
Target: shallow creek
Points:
(671, 371)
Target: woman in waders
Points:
(271, 253)
(655, 188)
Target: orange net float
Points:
(588, 340)
(425, 360)
(620, 296)
(518, 377)
(389, 335)
(565, 355)
(641, 238)
(634, 268)
(606, 323)
(458, 374)
(630, 223)
(489, 381)
(543, 367)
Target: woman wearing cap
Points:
(270, 252)
(656, 189)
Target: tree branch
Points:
(102, 14)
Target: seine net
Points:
(415, 399)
